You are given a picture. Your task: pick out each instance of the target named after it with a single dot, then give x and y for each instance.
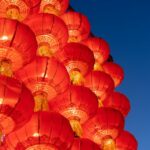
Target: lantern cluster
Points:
(57, 82)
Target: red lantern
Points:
(45, 131)
(46, 78)
(100, 49)
(104, 127)
(84, 144)
(78, 59)
(78, 26)
(78, 104)
(17, 46)
(56, 7)
(118, 101)
(14, 97)
(115, 71)
(19, 9)
(126, 141)
(51, 33)
(100, 83)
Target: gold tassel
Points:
(49, 8)
(108, 144)
(98, 67)
(41, 102)
(76, 127)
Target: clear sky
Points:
(125, 24)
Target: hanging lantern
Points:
(51, 33)
(45, 131)
(46, 78)
(126, 141)
(78, 59)
(78, 104)
(78, 26)
(119, 102)
(56, 7)
(100, 49)
(18, 9)
(100, 83)
(14, 97)
(104, 127)
(16, 50)
(84, 144)
(115, 71)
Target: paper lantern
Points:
(78, 104)
(100, 49)
(119, 102)
(100, 83)
(78, 59)
(16, 50)
(51, 33)
(45, 131)
(104, 127)
(115, 71)
(16, 106)
(78, 26)
(46, 78)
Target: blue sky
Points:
(125, 24)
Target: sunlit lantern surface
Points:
(45, 131)
(46, 78)
(78, 26)
(56, 7)
(78, 104)
(51, 33)
(58, 81)
(14, 96)
(84, 144)
(126, 141)
(18, 9)
(17, 46)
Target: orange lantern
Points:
(46, 78)
(78, 26)
(115, 71)
(118, 101)
(51, 33)
(84, 144)
(56, 7)
(100, 49)
(78, 104)
(14, 97)
(16, 50)
(126, 141)
(100, 83)
(45, 131)
(78, 59)
(104, 127)
(18, 9)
